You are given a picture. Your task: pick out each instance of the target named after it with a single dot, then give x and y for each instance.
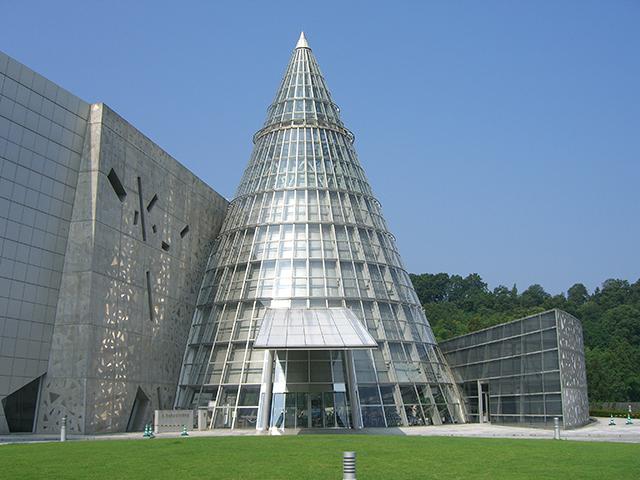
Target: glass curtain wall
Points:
(304, 230)
(310, 390)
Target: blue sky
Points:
(502, 137)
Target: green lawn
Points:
(311, 457)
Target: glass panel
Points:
(316, 410)
(552, 382)
(329, 410)
(297, 372)
(342, 410)
(249, 396)
(302, 405)
(277, 410)
(393, 416)
(414, 415)
(551, 360)
(423, 394)
(508, 405)
(408, 394)
(373, 417)
(533, 405)
(549, 339)
(291, 413)
(369, 395)
(223, 417)
(387, 394)
(338, 371)
(533, 383)
(246, 417)
(321, 372)
(228, 397)
(532, 342)
(553, 404)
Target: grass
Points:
(312, 457)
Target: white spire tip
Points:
(302, 42)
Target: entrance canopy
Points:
(312, 329)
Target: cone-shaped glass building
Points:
(306, 317)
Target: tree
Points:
(622, 323)
(431, 287)
(457, 305)
(534, 296)
(614, 292)
(504, 298)
(577, 294)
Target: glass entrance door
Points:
(484, 392)
(316, 410)
(311, 390)
(329, 411)
(310, 410)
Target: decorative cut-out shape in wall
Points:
(152, 202)
(136, 214)
(159, 398)
(184, 231)
(116, 184)
(149, 295)
(165, 246)
(154, 228)
(142, 224)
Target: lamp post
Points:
(63, 429)
(349, 466)
(556, 428)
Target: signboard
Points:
(172, 420)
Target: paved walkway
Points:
(599, 431)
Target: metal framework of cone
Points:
(305, 232)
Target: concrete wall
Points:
(133, 264)
(573, 373)
(42, 128)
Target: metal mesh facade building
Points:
(305, 242)
(526, 371)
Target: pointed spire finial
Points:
(302, 41)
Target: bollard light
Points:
(63, 429)
(349, 466)
(556, 428)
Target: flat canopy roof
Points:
(312, 329)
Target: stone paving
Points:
(597, 431)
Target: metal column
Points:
(265, 392)
(480, 406)
(356, 416)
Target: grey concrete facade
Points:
(129, 284)
(573, 372)
(527, 371)
(104, 242)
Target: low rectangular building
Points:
(527, 371)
